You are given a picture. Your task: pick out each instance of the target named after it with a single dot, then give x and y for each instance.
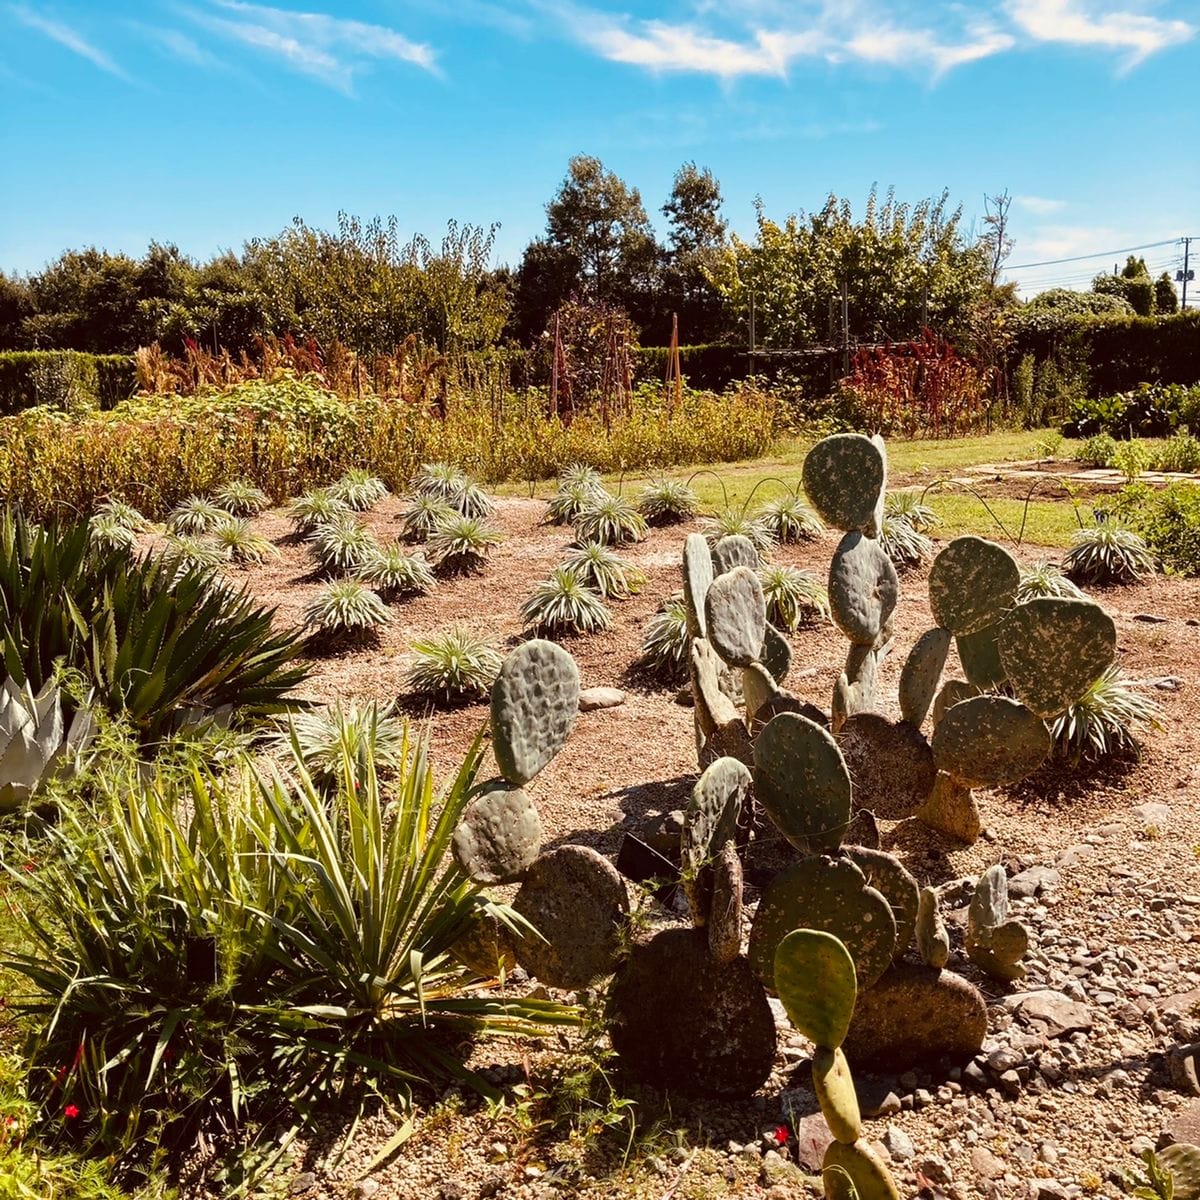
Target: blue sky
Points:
(205, 122)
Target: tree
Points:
(696, 238)
(1133, 284)
(996, 240)
(16, 307)
(1166, 298)
(693, 211)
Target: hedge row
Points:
(68, 379)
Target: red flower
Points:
(30, 867)
(781, 1135)
(71, 1112)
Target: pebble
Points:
(898, 1144)
(594, 698)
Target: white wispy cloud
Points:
(179, 45)
(1039, 205)
(907, 47)
(1074, 22)
(69, 37)
(331, 49)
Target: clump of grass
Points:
(727, 521)
(196, 514)
(794, 597)
(343, 544)
(564, 604)
(665, 646)
(1045, 578)
(123, 514)
(422, 515)
(441, 479)
(241, 498)
(345, 612)
(241, 543)
(316, 507)
(108, 535)
(1108, 552)
(603, 571)
(790, 519)
(611, 521)
(460, 544)
(1180, 453)
(359, 490)
(1106, 720)
(667, 502)
(907, 505)
(392, 572)
(453, 664)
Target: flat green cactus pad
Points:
(487, 946)
(499, 835)
(734, 550)
(829, 894)
(972, 584)
(892, 880)
(814, 976)
(697, 578)
(758, 688)
(834, 1087)
(979, 653)
(953, 692)
(871, 1179)
(951, 809)
(890, 763)
(1053, 649)
(921, 674)
(776, 653)
(1183, 1161)
(735, 613)
(933, 939)
(535, 701)
(837, 1184)
(711, 817)
(725, 914)
(863, 588)
(844, 477)
(800, 779)
(990, 740)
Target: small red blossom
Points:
(10, 1122)
(30, 867)
(71, 1112)
(781, 1135)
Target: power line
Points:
(1054, 262)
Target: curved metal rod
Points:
(710, 471)
(1037, 483)
(764, 479)
(968, 488)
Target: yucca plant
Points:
(611, 521)
(564, 604)
(794, 597)
(240, 542)
(472, 501)
(314, 508)
(422, 515)
(579, 474)
(440, 479)
(124, 514)
(790, 519)
(324, 738)
(1045, 578)
(109, 535)
(728, 521)
(345, 612)
(392, 572)
(668, 501)
(907, 505)
(604, 572)
(902, 543)
(191, 553)
(196, 514)
(240, 498)
(452, 664)
(461, 544)
(1105, 720)
(570, 500)
(343, 544)
(1108, 552)
(358, 489)
(667, 642)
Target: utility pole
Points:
(1184, 275)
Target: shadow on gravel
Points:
(1063, 782)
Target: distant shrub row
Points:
(64, 379)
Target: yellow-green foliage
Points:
(289, 434)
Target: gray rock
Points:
(1153, 812)
(898, 1144)
(1058, 1012)
(1183, 1064)
(365, 1188)
(304, 1184)
(1033, 881)
(593, 698)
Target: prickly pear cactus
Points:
(734, 550)
(845, 476)
(872, 1180)
(863, 589)
(921, 674)
(891, 765)
(972, 584)
(979, 653)
(535, 701)
(735, 614)
(776, 653)
(758, 688)
(951, 809)
(990, 740)
(837, 1184)
(697, 578)
(499, 836)
(1053, 649)
(725, 914)
(720, 730)
(994, 943)
(933, 940)
(710, 820)
(1183, 1161)
(953, 691)
(892, 880)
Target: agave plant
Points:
(472, 501)
(345, 611)
(194, 515)
(604, 572)
(727, 521)
(571, 499)
(123, 514)
(906, 504)
(1105, 720)
(668, 501)
(461, 544)
(324, 738)
(34, 746)
(316, 507)
(189, 553)
(667, 641)
(611, 521)
(422, 515)
(343, 544)
(1108, 552)
(790, 519)
(108, 535)
(440, 479)
(392, 572)
(581, 475)
(359, 490)
(239, 542)
(794, 597)
(905, 545)
(1045, 578)
(564, 604)
(240, 498)
(452, 664)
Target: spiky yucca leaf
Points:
(343, 544)
(422, 515)
(345, 610)
(196, 514)
(472, 501)
(581, 475)
(564, 507)
(392, 572)
(241, 498)
(666, 501)
(123, 514)
(793, 597)
(453, 663)
(603, 571)
(903, 544)
(440, 479)
(665, 646)
(907, 505)
(325, 736)
(1105, 720)
(241, 543)
(1108, 553)
(564, 604)
(611, 521)
(107, 534)
(728, 521)
(790, 519)
(1045, 578)
(461, 544)
(316, 507)
(359, 490)
(191, 553)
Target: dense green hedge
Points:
(64, 379)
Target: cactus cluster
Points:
(35, 747)
(995, 943)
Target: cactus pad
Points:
(725, 914)
(712, 813)
(487, 946)
(1183, 1161)
(921, 674)
(990, 740)
(844, 477)
(871, 1179)
(734, 550)
(834, 1087)
(776, 653)
(575, 899)
(951, 809)
(535, 701)
(972, 584)
(979, 653)
(829, 894)
(800, 778)
(719, 1039)
(953, 692)
(863, 588)
(933, 940)
(697, 577)
(1053, 649)
(891, 879)
(499, 835)
(837, 1184)
(814, 975)
(735, 614)
(993, 942)
(890, 763)
(758, 688)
